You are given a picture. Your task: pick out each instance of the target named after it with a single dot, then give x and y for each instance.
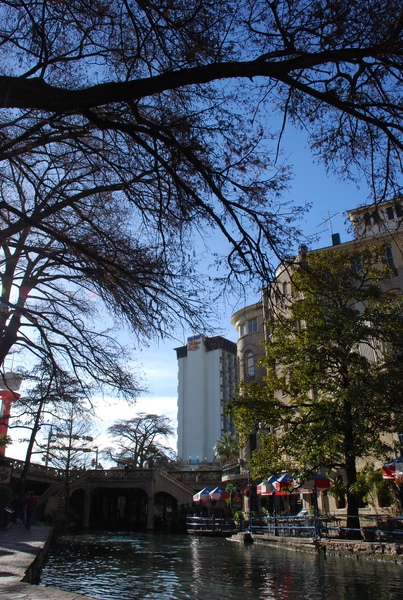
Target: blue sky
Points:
(330, 199)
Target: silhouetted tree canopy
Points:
(139, 442)
(132, 133)
(54, 399)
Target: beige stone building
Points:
(381, 226)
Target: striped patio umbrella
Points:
(393, 469)
(218, 493)
(284, 484)
(202, 496)
(266, 488)
(321, 482)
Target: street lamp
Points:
(46, 458)
(250, 502)
(53, 438)
(95, 460)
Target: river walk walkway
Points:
(21, 555)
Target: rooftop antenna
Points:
(328, 220)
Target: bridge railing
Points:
(196, 476)
(118, 474)
(35, 469)
(199, 477)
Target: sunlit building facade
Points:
(207, 379)
(372, 226)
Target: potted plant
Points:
(238, 518)
(368, 488)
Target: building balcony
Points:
(234, 472)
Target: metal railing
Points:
(284, 526)
(373, 528)
(195, 524)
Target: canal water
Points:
(129, 566)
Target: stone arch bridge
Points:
(118, 497)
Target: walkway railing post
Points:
(316, 511)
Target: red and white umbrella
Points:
(284, 484)
(261, 488)
(281, 485)
(266, 488)
(318, 481)
(202, 496)
(218, 493)
(393, 469)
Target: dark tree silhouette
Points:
(127, 129)
(139, 441)
(52, 398)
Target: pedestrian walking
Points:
(30, 507)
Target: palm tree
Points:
(226, 447)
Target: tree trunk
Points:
(350, 458)
(27, 463)
(353, 519)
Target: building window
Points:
(242, 330)
(357, 266)
(250, 366)
(252, 325)
(252, 442)
(388, 260)
(390, 212)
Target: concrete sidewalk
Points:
(21, 554)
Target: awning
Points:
(284, 483)
(266, 488)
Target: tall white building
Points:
(207, 380)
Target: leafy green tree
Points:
(334, 387)
(226, 447)
(5, 440)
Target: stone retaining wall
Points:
(359, 549)
(33, 573)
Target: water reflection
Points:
(128, 566)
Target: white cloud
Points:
(109, 410)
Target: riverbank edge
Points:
(379, 551)
(33, 572)
(22, 556)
